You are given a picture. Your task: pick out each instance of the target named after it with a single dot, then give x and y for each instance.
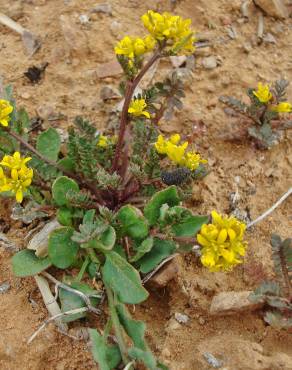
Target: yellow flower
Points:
(133, 47)
(193, 160)
(3, 178)
(283, 107)
(172, 28)
(137, 108)
(18, 182)
(103, 141)
(15, 161)
(222, 243)
(177, 153)
(263, 93)
(5, 109)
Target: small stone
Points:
(229, 303)
(165, 275)
(226, 21)
(181, 318)
(116, 28)
(209, 62)
(109, 92)
(4, 287)
(83, 18)
(45, 112)
(109, 69)
(166, 352)
(274, 8)
(177, 61)
(102, 8)
(173, 325)
(247, 47)
(269, 38)
(202, 321)
(212, 360)
(25, 95)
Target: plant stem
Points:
(117, 325)
(130, 88)
(93, 256)
(83, 268)
(82, 182)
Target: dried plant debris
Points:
(35, 74)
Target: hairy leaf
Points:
(61, 186)
(25, 263)
(49, 144)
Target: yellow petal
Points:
(201, 240)
(19, 196)
(231, 234)
(222, 236)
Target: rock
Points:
(4, 287)
(165, 275)
(212, 360)
(269, 38)
(173, 325)
(102, 8)
(109, 92)
(226, 21)
(25, 95)
(109, 69)
(45, 112)
(177, 61)
(83, 19)
(209, 62)
(76, 39)
(116, 28)
(181, 318)
(229, 303)
(247, 47)
(39, 241)
(274, 8)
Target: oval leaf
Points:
(123, 279)
(49, 144)
(60, 188)
(62, 250)
(168, 196)
(189, 226)
(25, 263)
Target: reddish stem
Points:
(130, 88)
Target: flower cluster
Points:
(265, 96)
(222, 243)
(137, 108)
(5, 109)
(16, 176)
(177, 153)
(133, 47)
(105, 141)
(173, 29)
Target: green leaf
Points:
(64, 216)
(168, 196)
(60, 188)
(25, 263)
(121, 277)
(49, 144)
(67, 163)
(107, 356)
(161, 249)
(136, 331)
(143, 248)
(189, 226)
(133, 222)
(108, 238)
(62, 250)
(70, 301)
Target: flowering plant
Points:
(266, 112)
(117, 199)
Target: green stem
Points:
(107, 328)
(93, 256)
(116, 325)
(83, 269)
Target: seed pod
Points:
(175, 177)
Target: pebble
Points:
(108, 92)
(4, 287)
(269, 38)
(274, 8)
(209, 62)
(212, 360)
(229, 303)
(116, 28)
(45, 111)
(25, 95)
(102, 8)
(83, 18)
(177, 61)
(165, 275)
(247, 47)
(181, 318)
(109, 69)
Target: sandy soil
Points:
(71, 85)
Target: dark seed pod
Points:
(175, 177)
